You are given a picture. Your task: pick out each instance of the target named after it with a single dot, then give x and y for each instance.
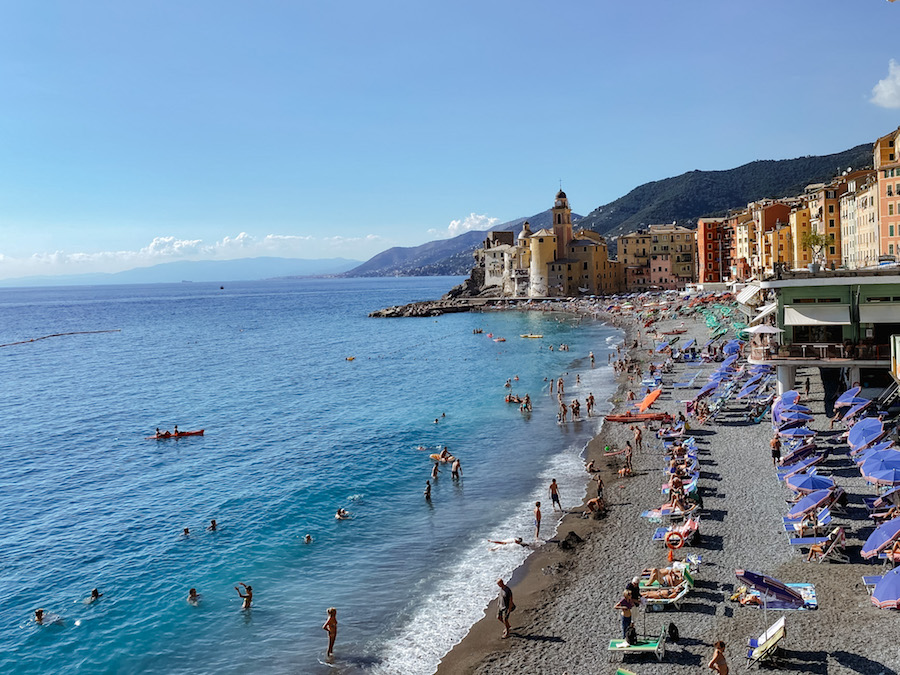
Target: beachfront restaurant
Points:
(834, 320)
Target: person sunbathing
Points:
(818, 550)
(665, 593)
(664, 577)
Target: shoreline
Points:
(547, 569)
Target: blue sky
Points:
(140, 132)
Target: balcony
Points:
(834, 354)
(520, 274)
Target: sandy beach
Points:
(565, 617)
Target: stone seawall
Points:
(431, 308)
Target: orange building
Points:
(887, 169)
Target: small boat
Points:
(163, 437)
(639, 417)
(676, 331)
(533, 336)
(499, 339)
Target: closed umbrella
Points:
(810, 502)
(887, 591)
(806, 483)
(883, 536)
(772, 592)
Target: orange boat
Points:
(649, 400)
(180, 434)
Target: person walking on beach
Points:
(331, 627)
(554, 495)
(505, 605)
(718, 663)
(806, 388)
(638, 438)
(776, 450)
(247, 597)
(625, 605)
(629, 452)
(537, 520)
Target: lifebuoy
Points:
(678, 543)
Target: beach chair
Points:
(686, 384)
(764, 647)
(833, 548)
(870, 582)
(622, 671)
(794, 525)
(807, 464)
(657, 604)
(656, 647)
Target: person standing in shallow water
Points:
(554, 495)
(247, 597)
(331, 627)
(537, 520)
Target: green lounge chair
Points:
(656, 647)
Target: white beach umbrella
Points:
(763, 329)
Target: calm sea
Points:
(293, 431)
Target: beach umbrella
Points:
(883, 445)
(796, 432)
(878, 453)
(883, 536)
(689, 343)
(865, 432)
(732, 347)
(747, 390)
(785, 425)
(706, 390)
(891, 497)
(649, 399)
(888, 476)
(794, 415)
(810, 502)
(730, 360)
(805, 483)
(846, 396)
(852, 402)
(790, 397)
(762, 328)
(855, 410)
(756, 378)
(873, 467)
(771, 590)
(887, 591)
(798, 453)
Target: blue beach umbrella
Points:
(892, 496)
(707, 390)
(865, 432)
(887, 591)
(689, 343)
(810, 502)
(876, 465)
(806, 483)
(884, 450)
(883, 536)
(661, 346)
(852, 402)
(790, 397)
(846, 396)
(796, 432)
(730, 360)
(889, 476)
(733, 347)
(747, 390)
(794, 415)
(769, 588)
(855, 410)
(755, 379)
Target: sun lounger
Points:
(686, 384)
(870, 582)
(808, 541)
(656, 647)
(833, 548)
(686, 575)
(796, 527)
(763, 648)
(622, 671)
(824, 514)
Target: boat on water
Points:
(639, 417)
(180, 434)
(533, 336)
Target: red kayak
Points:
(640, 417)
(163, 437)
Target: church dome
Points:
(560, 195)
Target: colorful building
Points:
(887, 168)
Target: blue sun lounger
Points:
(870, 582)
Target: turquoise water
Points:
(293, 431)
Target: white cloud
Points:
(887, 92)
(473, 221)
(168, 249)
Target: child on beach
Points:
(537, 520)
(718, 663)
(331, 627)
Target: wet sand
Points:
(565, 617)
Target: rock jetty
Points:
(431, 308)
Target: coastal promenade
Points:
(565, 617)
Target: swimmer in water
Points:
(193, 596)
(435, 471)
(342, 514)
(186, 532)
(247, 597)
(95, 595)
(427, 491)
(503, 542)
(307, 539)
(213, 526)
(39, 616)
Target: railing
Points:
(820, 351)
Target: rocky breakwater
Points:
(431, 308)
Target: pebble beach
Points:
(565, 618)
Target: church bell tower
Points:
(562, 224)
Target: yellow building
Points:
(779, 247)
(800, 227)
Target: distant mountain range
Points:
(681, 199)
(244, 269)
